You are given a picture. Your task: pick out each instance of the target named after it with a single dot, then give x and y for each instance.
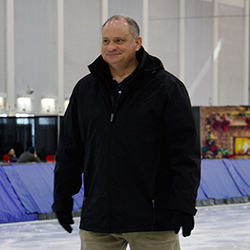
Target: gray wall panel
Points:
(36, 48)
(2, 48)
(82, 39)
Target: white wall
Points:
(199, 51)
(35, 49)
(82, 30)
(231, 63)
(164, 32)
(36, 54)
(2, 47)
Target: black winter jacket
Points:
(141, 159)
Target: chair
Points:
(50, 158)
(6, 159)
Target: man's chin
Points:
(112, 61)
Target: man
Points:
(28, 156)
(129, 128)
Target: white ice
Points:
(223, 227)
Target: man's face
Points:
(118, 46)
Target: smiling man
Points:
(119, 47)
(129, 128)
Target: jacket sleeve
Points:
(182, 148)
(69, 159)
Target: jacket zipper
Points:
(112, 117)
(113, 109)
(153, 221)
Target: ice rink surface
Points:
(223, 227)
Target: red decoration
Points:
(214, 148)
(226, 121)
(248, 123)
(217, 123)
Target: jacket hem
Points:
(125, 230)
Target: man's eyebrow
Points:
(115, 38)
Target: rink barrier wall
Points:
(26, 190)
(224, 181)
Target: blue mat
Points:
(33, 184)
(240, 173)
(11, 209)
(27, 189)
(217, 183)
(201, 194)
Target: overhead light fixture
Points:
(48, 104)
(24, 102)
(66, 103)
(2, 100)
(20, 115)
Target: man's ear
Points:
(138, 42)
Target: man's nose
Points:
(112, 46)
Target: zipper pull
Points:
(111, 117)
(153, 203)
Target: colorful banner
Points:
(225, 132)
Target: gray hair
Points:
(133, 26)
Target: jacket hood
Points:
(147, 61)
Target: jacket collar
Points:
(100, 68)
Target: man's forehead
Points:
(116, 23)
(116, 29)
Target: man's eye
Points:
(105, 41)
(119, 40)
